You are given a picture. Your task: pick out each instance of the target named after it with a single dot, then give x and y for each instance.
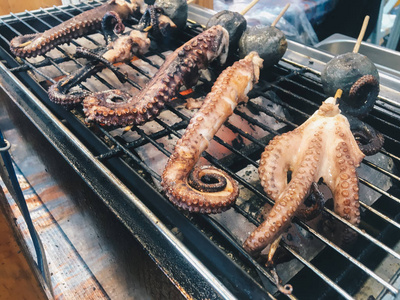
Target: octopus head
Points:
(329, 108)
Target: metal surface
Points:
(124, 169)
(385, 59)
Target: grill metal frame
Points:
(142, 209)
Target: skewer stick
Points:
(361, 35)
(280, 15)
(190, 1)
(248, 7)
(338, 94)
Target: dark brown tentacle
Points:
(317, 199)
(180, 68)
(59, 92)
(362, 97)
(369, 140)
(111, 24)
(85, 23)
(92, 55)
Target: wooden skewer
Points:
(361, 35)
(338, 94)
(280, 15)
(248, 7)
(190, 1)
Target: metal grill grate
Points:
(291, 93)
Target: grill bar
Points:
(286, 77)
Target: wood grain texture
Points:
(7, 6)
(18, 279)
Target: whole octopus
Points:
(207, 189)
(116, 107)
(322, 147)
(31, 45)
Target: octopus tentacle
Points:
(92, 55)
(317, 198)
(111, 24)
(58, 92)
(180, 68)
(322, 147)
(87, 22)
(208, 189)
(120, 50)
(362, 97)
(370, 141)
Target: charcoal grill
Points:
(202, 255)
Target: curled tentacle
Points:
(207, 179)
(121, 50)
(317, 199)
(92, 55)
(207, 189)
(362, 97)
(58, 92)
(369, 140)
(111, 25)
(157, 22)
(180, 68)
(87, 22)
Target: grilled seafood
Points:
(323, 146)
(358, 77)
(123, 49)
(116, 107)
(207, 189)
(369, 140)
(31, 45)
(233, 22)
(269, 42)
(176, 10)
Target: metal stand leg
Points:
(11, 181)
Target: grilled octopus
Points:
(116, 107)
(207, 189)
(123, 49)
(31, 45)
(324, 147)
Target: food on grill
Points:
(31, 45)
(268, 41)
(116, 107)
(123, 49)
(233, 22)
(356, 75)
(324, 147)
(155, 21)
(343, 71)
(369, 140)
(207, 189)
(176, 10)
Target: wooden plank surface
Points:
(18, 279)
(7, 6)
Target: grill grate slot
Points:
(293, 87)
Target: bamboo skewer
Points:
(361, 35)
(280, 15)
(338, 94)
(248, 7)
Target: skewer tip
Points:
(280, 15)
(338, 94)
(361, 35)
